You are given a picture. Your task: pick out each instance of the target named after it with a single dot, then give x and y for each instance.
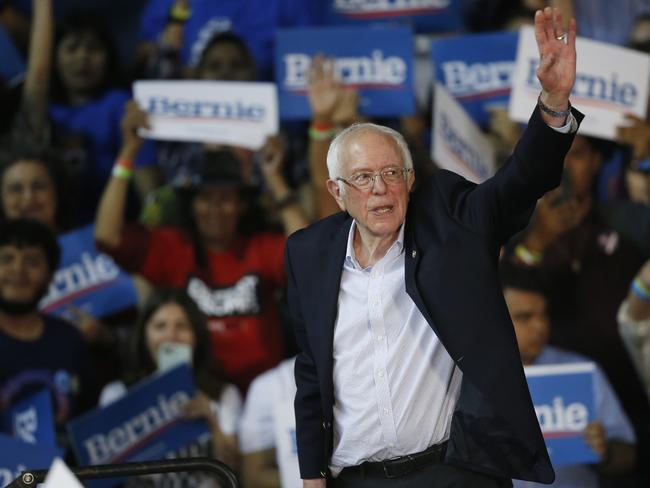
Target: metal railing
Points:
(29, 479)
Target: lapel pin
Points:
(414, 253)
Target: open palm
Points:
(557, 52)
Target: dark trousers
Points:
(437, 475)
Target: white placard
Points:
(60, 475)
(610, 82)
(223, 112)
(458, 143)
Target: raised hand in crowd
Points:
(635, 133)
(224, 446)
(331, 105)
(555, 215)
(285, 200)
(329, 100)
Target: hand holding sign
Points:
(134, 118)
(595, 437)
(557, 67)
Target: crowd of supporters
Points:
(200, 228)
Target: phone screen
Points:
(172, 354)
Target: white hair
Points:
(334, 163)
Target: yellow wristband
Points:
(179, 14)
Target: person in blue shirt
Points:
(199, 20)
(86, 108)
(610, 435)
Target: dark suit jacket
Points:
(453, 234)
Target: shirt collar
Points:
(350, 256)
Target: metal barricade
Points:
(29, 479)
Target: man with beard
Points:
(38, 351)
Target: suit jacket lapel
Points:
(331, 268)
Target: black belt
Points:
(401, 466)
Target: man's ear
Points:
(335, 190)
(410, 181)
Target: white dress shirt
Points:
(395, 385)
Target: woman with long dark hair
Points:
(170, 320)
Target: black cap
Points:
(217, 168)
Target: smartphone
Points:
(172, 354)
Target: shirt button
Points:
(390, 444)
(380, 338)
(381, 374)
(386, 412)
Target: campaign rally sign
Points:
(423, 15)
(145, 424)
(563, 396)
(87, 280)
(223, 112)
(458, 143)
(17, 456)
(611, 81)
(476, 70)
(376, 61)
(32, 419)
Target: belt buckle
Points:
(410, 464)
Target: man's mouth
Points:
(383, 210)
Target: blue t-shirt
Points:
(12, 68)
(57, 361)
(90, 137)
(608, 412)
(254, 20)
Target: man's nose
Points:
(378, 184)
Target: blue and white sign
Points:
(87, 280)
(32, 419)
(223, 112)
(476, 70)
(376, 61)
(423, 15)
(145, 424)
(458, 143)
(17, 456)
(611, 81)
(563, 396)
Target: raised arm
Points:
(291, 213)
(503, 204)
(331, 105)
(39, 61)
(557, 66)
(110, 212)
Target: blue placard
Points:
(422, 15)
(476, 70)
(87, 279)
(32, 419)
(376, 61)
(17, 456)
(144, 425)
(563, 396)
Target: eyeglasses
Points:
(366, 179)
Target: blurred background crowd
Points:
(199, 229)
